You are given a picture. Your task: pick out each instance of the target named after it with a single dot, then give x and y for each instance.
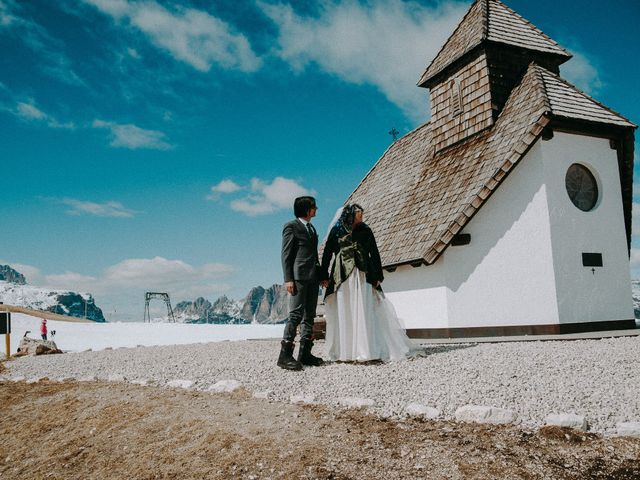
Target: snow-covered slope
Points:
(63, 302)
(76, 337)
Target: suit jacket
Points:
(299, 252)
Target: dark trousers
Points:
(302, 309)
(44, 336)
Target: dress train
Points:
(362, 324)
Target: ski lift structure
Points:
(161, 296)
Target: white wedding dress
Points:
(362, 324)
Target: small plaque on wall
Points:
(591, 259)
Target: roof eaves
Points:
(415, 262)
(454, 65)
(562, 80)
(469, 210)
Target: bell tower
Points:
(473, 74)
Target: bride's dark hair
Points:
(348, 214)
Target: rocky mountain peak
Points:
(8, 274)
(260, 305)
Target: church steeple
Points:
(473, 74)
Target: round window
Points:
(582, 187)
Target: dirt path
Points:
(80, 430)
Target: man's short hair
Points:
(302, 205)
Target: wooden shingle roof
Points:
(416, 200)
(569, 102)
(491, 20)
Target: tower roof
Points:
(493, 21)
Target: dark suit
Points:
(300, 264)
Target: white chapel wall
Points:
(419, 295)
(505, 275)
(585, 295)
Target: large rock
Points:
(567, 420)
(32, 346)
(225, 386)
(484, 414)
(356, 402)
(421, 411)
(628, 429)
(180, 384)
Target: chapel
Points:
(509, 211)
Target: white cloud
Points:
(106, 209)
(160, 272)
(146, 274)
(133, 137)
(29, 112)
(582, 73)
(70, 279)
(210, 291)
(225, 186)
(116, 8)
(263, 197)
(387, 44)
(189, 35)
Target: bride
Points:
(362, 324)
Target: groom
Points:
(301, 269)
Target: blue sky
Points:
(156, 145)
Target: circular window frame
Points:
(596, 186)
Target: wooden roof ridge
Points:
(426, 75)
(543, 72)
(537, 71)
(516, 15)
(393, 145)
(467, 36)
(531, 80)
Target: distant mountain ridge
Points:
(14, 290)
(267, 306)
(635, 294)
(8, 274)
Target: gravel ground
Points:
(598, 379)
(98, 430)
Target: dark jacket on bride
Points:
(351, 248)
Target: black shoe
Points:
(286, 360)
(305, 357)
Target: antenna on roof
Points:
(394, 133)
